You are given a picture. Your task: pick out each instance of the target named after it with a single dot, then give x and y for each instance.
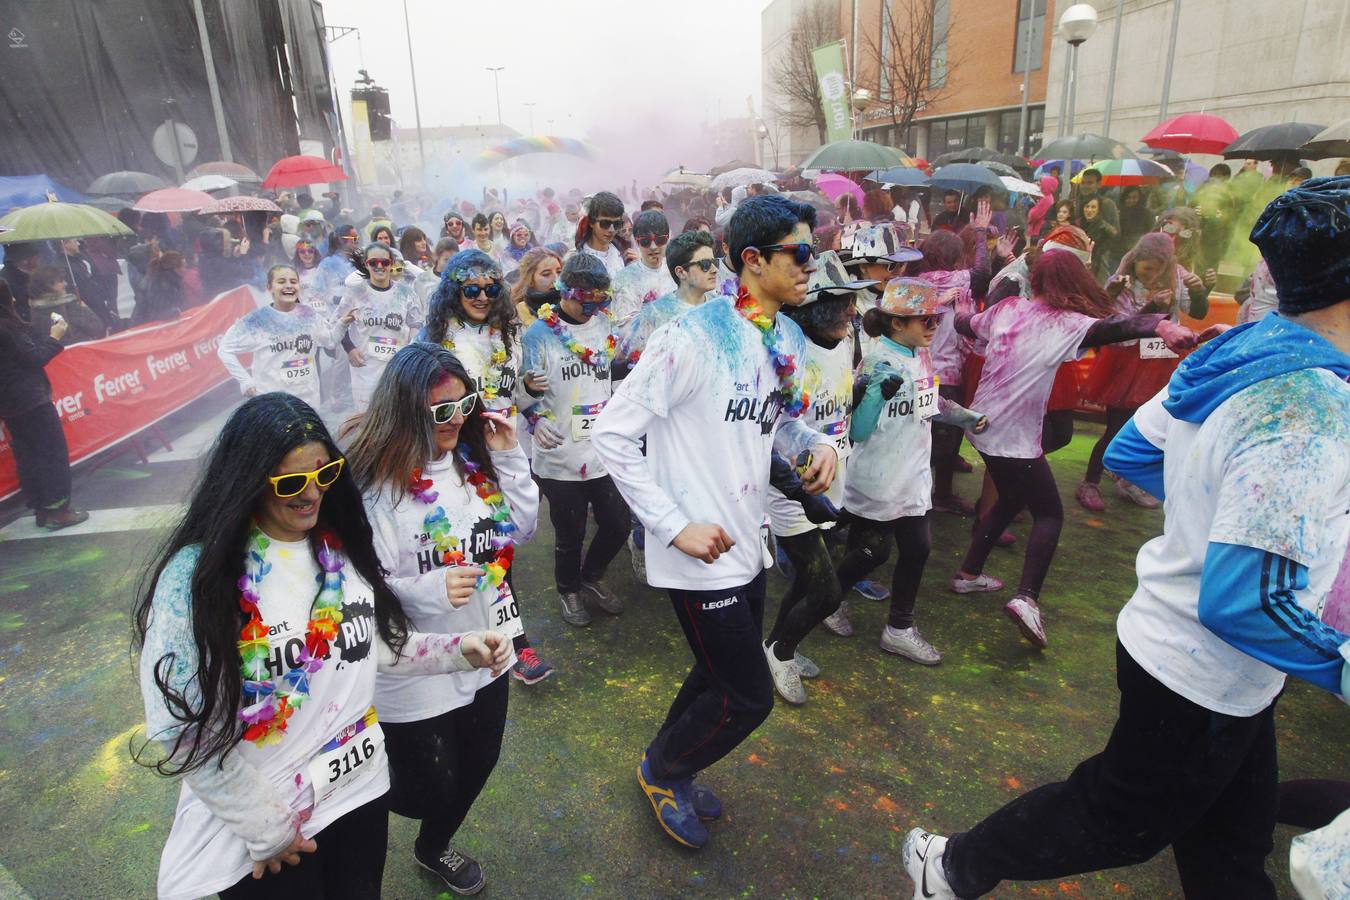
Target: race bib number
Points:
(382, 347)
(505, 615)
(348, 760)
(1154, 348)
(837, 432)
(298, 370)
(926, 397)
(583, 420)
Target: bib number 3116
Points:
(347, 760)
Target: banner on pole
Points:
(829, 64)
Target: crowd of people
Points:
(721, 383)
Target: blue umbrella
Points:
(967, 178)
(1044, 168)
(905, 176)
(29, 190)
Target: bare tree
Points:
(794, 72)
(910, 55)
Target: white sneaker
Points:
(907, 642)
(922, 854)
(837, 622)
(806, 666)
(979, 584)
(1026, 615)
(1136, 495)
(787, 678)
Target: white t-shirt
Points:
(408, 550)
(473, 347)
(1027, 341)
(284, 346)
(829, 384)
(637, 285)
(577, 391)
(385, 322)
(707, 397)
(1264, 470)
(651, 317)
(612, 258)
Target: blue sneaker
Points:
(872, 590)
(784, 563)
(706, 805)
(674, 811)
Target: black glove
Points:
(859, 389)
(784, 478)
(890, 385)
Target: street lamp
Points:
(530, 106)
(861, 100)
(1075, 25)
(497, 88)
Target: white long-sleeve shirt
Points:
(284, 346)
(385, 321)
(707, 397)
(472, 346)
(577, 391)
(637, 285)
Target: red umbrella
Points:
(294, 171)
(241, 204)
(167, 200)
(1192, 133)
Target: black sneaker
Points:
(462, 874)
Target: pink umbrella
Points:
(1192, 133)
(169, 200)
(834, 186)
(241, 204)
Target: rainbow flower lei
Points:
(549, 316)
(497, 357)
(795, 399)
(438, 525)
(268, 702)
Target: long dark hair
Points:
(396, 434)
(1060, 280)
(942, 251)
(255, 439)
(447, 304)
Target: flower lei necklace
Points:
(438, 526)
(269, 702)
(497, 357)
(600, 358)
(795, 399)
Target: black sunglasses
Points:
(647, 240)
(801, 253)
(608, 224)
(706, 265)
(471, 291)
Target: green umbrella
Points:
(54, 221)
(849, 156)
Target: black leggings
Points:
(813, 595)
(438, 766)
(946, 445)
(869, 546)
(567, 505)
(1116, 417)
(348, 864)
(1312, 802)
(1021, 483)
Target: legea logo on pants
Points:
(718, 604)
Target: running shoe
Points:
(806, 666)
(784, 562)
(56, 519)
(787, 677)
(978, 585)
(636, 553)
(674, 811)
(907, 642)
(1089, 496)
(607, 600)
(922, 854)
(873, 590)
(529, 668)
(1026, 615)
(706, 805)
(837, 622)
(1136, 495)
(957, 506)
(461, 874)
(574, 612)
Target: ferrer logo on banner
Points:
(829, 65)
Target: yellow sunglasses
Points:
(293, 483)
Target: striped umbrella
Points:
(1121, 172)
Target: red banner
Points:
(106, 391)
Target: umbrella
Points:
(240, 204)
(834, 186)
(128, 183)
(681, 177)
(1075, 166)
(25, 190)
(734, 164)
(1166, 157)
(1018, 186)
(54, 221)
(1332, 141)
(170, 200)
(811, 197)
(850, 156)
(966, 178)
(1272, 141)
(294, 171)
(1122, 172)
(1085, 146)
(982, 154)
(209, 183)
(1195, 175)
(901, 175)
(229, 169)
(999, 168)
(742, 177)
(110, 204)
(1192, 133)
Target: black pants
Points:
(869, 544)
(1021, 483)
(727, 693)
(437, 767)
(1056, 430)
(1116, 417)
(348, 865)
(41, 456)
(946, 444)
(520, 641)
(1173, 773)
(567, 505)
(1312, 802)
(813, 595)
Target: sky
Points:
(585, 65)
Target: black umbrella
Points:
(127, 183)
(982, 154)
(1272, 141)
(1332, 141)
(1085, 146)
